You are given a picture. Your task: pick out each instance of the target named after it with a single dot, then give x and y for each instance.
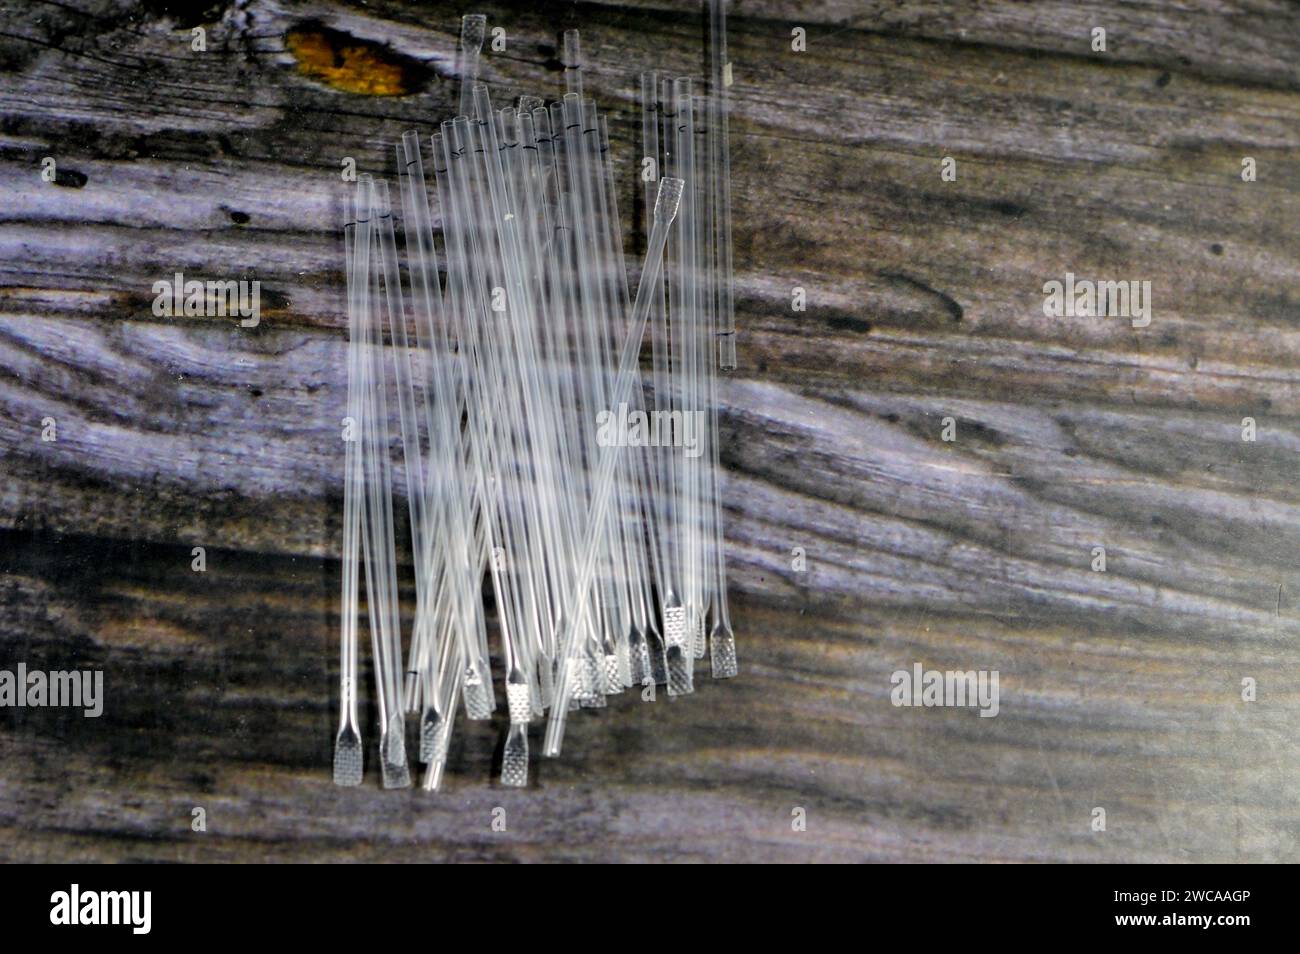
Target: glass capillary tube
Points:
(572, 64)
(702, 346)
(348, 749)
(671, 296)
(691, 362)
(666, 204)
(722, 640)
(705, 343)
(473, 30)
(720, 157)
(695, 354)
(661, 502)
(678, 656)
(687, 314)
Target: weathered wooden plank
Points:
(1119, 689)
(218, 688)
(1243, 42)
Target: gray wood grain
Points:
(1119, 689)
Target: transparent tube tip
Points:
(727, 351)
(473, 30)
(669, 199)
(572, 50)
(722, 653)
(347, 757)
(392, 754)
(514, 761)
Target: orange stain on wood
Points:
(347, 64)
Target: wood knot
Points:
(351, 64)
